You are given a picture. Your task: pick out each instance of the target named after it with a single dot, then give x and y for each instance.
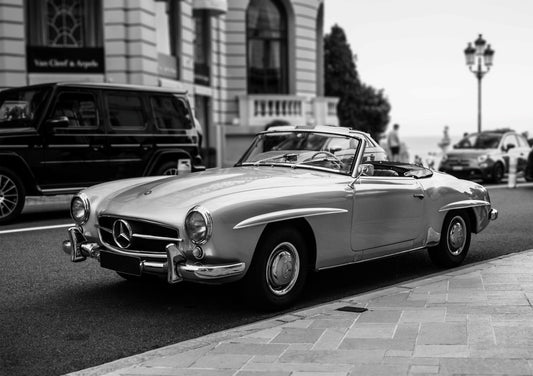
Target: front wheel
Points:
(12, 196)
(279, 269)
(454, 241)
(497, 172)
(167, 168)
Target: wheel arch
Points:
(18, 166)
(303, 227)
(476, 210)
(163, 157)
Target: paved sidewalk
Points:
(474, 320)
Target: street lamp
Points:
(480, 53)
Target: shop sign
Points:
(65, 60)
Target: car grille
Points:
(146, 236)
(458, 162)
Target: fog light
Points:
(198, 253)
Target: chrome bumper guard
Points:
(177, 270)
(493, 214)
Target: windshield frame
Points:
(290, 163)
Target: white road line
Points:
(34, 228)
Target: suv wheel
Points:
(167, 168)
(12, 196)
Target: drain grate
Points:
(352, 309)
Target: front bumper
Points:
(179, 269)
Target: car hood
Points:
(174, 194)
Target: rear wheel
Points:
(12, 196)
(279, 269)
(454, 242)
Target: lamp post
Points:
(477, 55)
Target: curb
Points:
(211, 340)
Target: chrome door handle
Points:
(419, 195)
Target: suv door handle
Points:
(419, 195)
(147, 146)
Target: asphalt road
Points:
(57, 317)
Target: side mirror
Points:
(510, 146)
(455, 146)
(366, 169)
(58, 121)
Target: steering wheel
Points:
(336, 160)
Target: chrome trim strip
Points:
(464, 205)
(74, 189)
(174, 145)
(17, 146)
(213, 271)
(75, 146)
(125, 145)
(152, 237)
(284, 215)
(374, 258)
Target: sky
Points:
(414, 51)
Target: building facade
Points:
(244, 63)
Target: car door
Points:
(523, 152)
(130, 141)
(387, 215)
(509, 146)
(73, 142)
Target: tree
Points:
(361, 106)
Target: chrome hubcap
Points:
(457, 235)
(8, 196)
(282, 269)
(171, 171)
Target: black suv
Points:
(61, 137)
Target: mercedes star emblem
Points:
(122, 233)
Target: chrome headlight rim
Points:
(86, 207)
(208, 220)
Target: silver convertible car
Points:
(300, 199)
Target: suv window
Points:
(126, 111)
(522, 142)
(79, 108)
(170, 113)
(20, 105)
(510, 140)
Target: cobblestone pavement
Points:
(474, 320)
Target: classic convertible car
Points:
(300, 199)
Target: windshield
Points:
(303, 149)
(21, 106)
(480, 141)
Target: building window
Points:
(202, 49)
(266, 34)
(167, 37)
(65, 23)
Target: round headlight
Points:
(79, 209)
(198, 225)
(482, 158)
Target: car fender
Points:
(480, 208)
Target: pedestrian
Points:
(445, 142)
(393, 142)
